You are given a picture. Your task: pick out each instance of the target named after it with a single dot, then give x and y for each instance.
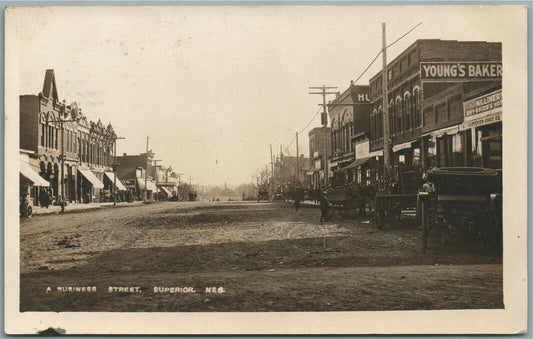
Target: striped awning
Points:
(91, 178)
(111, 177)
(29, 173)
(151, 186)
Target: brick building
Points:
(53, 131)
(132, 170)
(349, 115)
(427, 86)
(316, 156)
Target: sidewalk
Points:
(70, 208)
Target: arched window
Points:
(399, 115)
(416, 106)
(43, 133)
(380, 122)
(407, 108)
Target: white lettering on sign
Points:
(363, 97)
(484, 104)
(460, 70)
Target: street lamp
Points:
(61, 121)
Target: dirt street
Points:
(245, 257)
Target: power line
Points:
(302, 130)
(377, 56)
(412, 29)
(358, 78)
(366, 69)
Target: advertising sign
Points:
(483, 110)
(460, 71)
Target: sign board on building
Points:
(362, 150)
(483, 110)
(460, 71)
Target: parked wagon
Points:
(469, 199)
(353, 199)
(394, 196)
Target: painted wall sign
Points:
(483, 110)
(460, 71)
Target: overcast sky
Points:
(213, 87)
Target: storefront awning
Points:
(111, 177)
(439, 133)
(399, 147)
(151, 186)
(29, 173)
(164, 189)
(357, 163)
(91, 178)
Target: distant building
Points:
(349, 115)
(316, 156)
(166, 184)
(290, 172)
(132, 170)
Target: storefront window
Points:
(457, 151)
(416, 157)
(431, 152)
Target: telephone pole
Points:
(146, 173)
(156, 174)
(385, 96)
(297, 159)
(324, 120)
(272, 169)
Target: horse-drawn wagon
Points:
(466, 199)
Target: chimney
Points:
(124, 154)
(351, 82)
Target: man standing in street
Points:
(324, 207)
(297, 198)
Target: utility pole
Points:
(156, 177)
(297, 159)
(179, 183)
(324, 120)
(281, 179)
(272, 169)
(146, 173)
(385, 96)
(115, 170)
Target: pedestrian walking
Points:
(297, 198)
(324, 207)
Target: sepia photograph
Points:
(265, 169)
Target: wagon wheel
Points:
(370, 206)
(491, 233)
